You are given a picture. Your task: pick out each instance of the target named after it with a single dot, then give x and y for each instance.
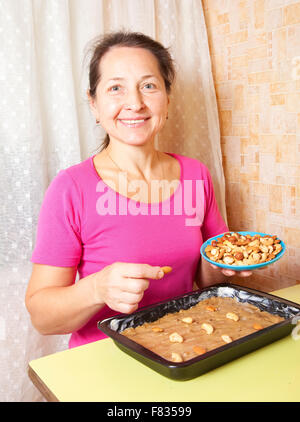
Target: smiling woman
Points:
(131, 106)
(157, 82)
(120, 255)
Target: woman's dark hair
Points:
(128, 39)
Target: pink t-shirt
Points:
(85, 223)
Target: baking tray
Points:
(192, 368)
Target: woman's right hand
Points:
(121, 285)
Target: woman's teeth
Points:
(132, 122)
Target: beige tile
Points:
(260, 37)
(238, 130)
(286, 150)
(226, 122)
(268, 143)
(238, 102)
(274, 19)
(255, 45)
(239, 61)
(263, 77)
(259, 13)
(275, 199)
(223, 18)
(292, 14)
(223, 29)
(260, 220)
(243, 11)
(258, 52)
(279, 49)
(293, 102)
(277, 99)
(279, 87)
(261, 189)
(236, 37)
(292, 237)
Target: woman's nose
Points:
(134, 101)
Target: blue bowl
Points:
(241, 267)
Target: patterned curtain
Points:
(46, 125)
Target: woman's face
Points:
(131, 100)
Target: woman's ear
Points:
(92, 104)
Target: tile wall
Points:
(255, 52)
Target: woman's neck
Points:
(138, 161)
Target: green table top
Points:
(100, 371)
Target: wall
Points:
(255, 51)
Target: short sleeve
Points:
(213, 223)
(58, 240)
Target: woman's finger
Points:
(135, 285)
(245, 273)
(229, 273)
(130, 298)
(139, 270)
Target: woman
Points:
(110, 218)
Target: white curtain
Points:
(45, 125)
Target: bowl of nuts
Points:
(245, 250)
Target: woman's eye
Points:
(149, 86)
(115, 88)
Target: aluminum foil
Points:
(264, 301)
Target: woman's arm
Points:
(57, 305)
(208, 274)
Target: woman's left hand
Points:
(230, 273)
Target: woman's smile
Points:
(134, 123)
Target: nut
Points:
(264, 248)
(157, 329)
(239, 256)
(233, 316)
(175, 338)
(226, 338)
(199, 350)
(254, 243)
(210, 308)
(228, 260)
(214, 252)
(207, 327)
(277, 249)
(255, 257)
(267, 240)
(237, 249)
(264, 257)
(166, 269)
(176, 357)
(187, 320)
(257, 326)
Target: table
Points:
(101, 372)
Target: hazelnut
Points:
(239, 256)
(199, 350)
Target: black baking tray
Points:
(192, 368)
